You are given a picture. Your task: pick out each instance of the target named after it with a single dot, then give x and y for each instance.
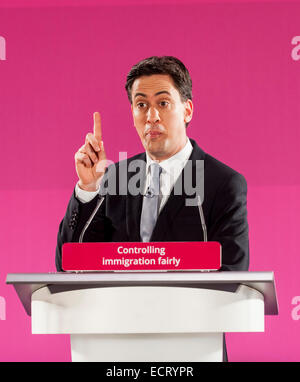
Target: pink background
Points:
(64, 63)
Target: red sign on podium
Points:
(138, 256)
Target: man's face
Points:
(159, 115)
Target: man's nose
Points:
(153, 115)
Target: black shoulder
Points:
(220, 170)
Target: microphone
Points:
(149, 193)
(202, 218)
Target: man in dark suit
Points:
(159, 90)
(119, 217)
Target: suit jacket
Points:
(118, 219)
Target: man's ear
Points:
(188, 112)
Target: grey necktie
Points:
(150, 203)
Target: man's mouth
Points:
(153, 134)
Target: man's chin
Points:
(156, 149)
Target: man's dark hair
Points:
(162, 65)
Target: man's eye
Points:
(141, 105)
(164, 103)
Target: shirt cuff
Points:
(85, 196)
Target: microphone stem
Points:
(202, 219)
(100, 201)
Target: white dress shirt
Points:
(171, 169)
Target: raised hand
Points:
(90, 159)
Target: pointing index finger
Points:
(97, 126)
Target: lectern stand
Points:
(162, 316)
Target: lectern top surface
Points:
(98, 277)
(26, 283)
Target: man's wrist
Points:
(85, 196)
(88, 187)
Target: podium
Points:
(152, 316)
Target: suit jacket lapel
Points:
(176, 202)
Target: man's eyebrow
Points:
(156, 94)
(162, 92)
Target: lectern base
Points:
(146, 323)
(162, 347)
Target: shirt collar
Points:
(181, 156)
